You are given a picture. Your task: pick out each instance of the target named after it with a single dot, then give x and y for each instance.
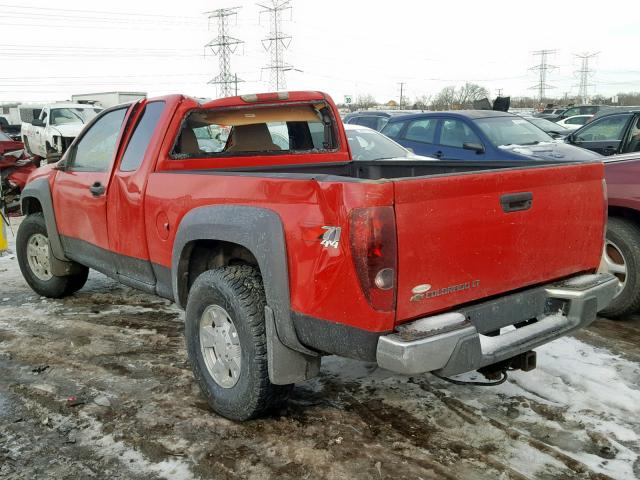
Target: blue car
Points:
(479, 135)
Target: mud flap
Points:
(286, 366)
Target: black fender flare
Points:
(39, 190)
(260, 231)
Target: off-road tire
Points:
(626, 235)
(55, 287)
(239, 290)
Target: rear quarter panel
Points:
(322, 280)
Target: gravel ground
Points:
(97, 386)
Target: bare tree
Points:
(422, 102)
(468, 93)
(444, 99)
(365, 101)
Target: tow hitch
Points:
(497, 373)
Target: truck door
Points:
(80, 192)
(126, 213)
(39, 133)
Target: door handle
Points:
(96, 189)
(514, 202)
(438, 154)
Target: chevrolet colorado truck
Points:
(50, 134)
(283, 252)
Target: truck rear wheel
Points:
(32, 248)
(621, 257)
(226, 343)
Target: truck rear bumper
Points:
(452, 343)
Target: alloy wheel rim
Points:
(38, 257)
(220, 346)
(614, 262)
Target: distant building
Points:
(108, 99)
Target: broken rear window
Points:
(256, 130)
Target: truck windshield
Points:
(503, 131)
(63, 116)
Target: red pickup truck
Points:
(250, 213)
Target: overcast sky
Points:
(341, 47)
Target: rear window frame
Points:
(213, 155)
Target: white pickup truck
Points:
(51, 133)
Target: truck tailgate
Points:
(469, 236)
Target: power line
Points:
(224, 46)
(543, 67)
(276, 43)
(585, 74)
(99, 12)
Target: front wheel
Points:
(32, 248)
(226, 342)
(621, 257)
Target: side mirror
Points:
(571, 138)
(36, 122)
(476, 147)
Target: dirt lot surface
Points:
(97, 386)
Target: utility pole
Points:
(499, 92)
(224, 46)
(585, 74)
(543, 67)
(276, 43)
(402, 84)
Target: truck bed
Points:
(390, 169)
(472, 230)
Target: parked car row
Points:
(478, 135)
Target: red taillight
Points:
(374, 252)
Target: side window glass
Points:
(633, 145)
(571, 112)
(96, 148)
(371, 122)
(605, 129)
(139, 141)
(422, 130)
(456, 133)
(393, 129)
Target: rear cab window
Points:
(256, 130)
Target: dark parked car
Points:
(622, 248)
(552, 128)
(375, 119)
(478, 135)
(572, 111)
(610, 134)
(548, 112)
